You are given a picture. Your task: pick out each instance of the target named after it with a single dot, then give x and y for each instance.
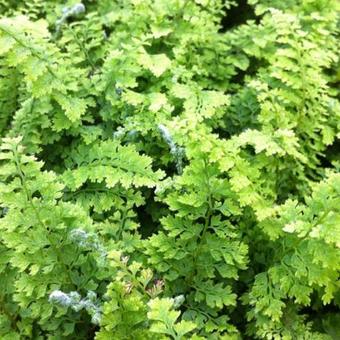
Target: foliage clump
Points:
(169, 169)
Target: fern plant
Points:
(169, 169)
(37, 241)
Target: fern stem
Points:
(201, 237)
(83, 49)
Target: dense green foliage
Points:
(169, 169)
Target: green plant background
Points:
(169, 169)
